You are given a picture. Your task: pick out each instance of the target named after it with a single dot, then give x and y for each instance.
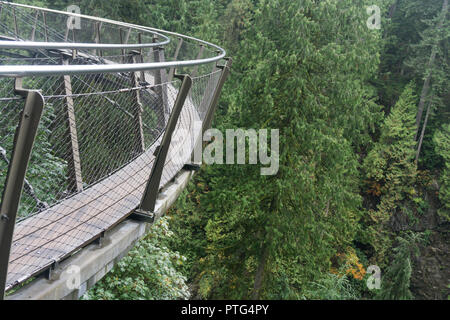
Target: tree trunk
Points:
(392, 9)
(427, 83)
(419, 148)
(260, 273)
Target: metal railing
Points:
(111, 121)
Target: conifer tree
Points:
(391, 166)
(268, 237)
(442, 143)
(396, 281)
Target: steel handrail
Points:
(33, 70)
(75, 45)
(5, 44)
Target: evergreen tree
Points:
(391, 168)
(396, 282)
(430, 62)
(442, 142)
(268, 237)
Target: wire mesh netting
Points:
(96, 141)
(92, 158)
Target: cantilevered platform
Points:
(110, 128)
(49, 237)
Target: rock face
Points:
(431, 269)
(430, 277)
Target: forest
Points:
(360, 206)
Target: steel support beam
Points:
(148, 201)
(175, 57)
(23, 145)
(161, 79)
(33, 32)
(74, 161)
(138, 109)
(16, 28)
(44, 19)
(98, 39)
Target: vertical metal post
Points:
(215, 99)
(66, 36)
(148, 201)
(141, 57)
(44, 18)
(161, 79)
(98, 27)
(23, 145)
(127, 38)
(136, 57)
(33, 32)
(121, 42)
(124, 41)
(74, 163)
(175, 57)
(16, 28)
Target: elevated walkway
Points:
(95, 122)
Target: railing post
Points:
(121, 42)
(136, 57)
(175, 57)
(23, 145)
(44, 19)
(16, 28)
(33, 32)
(74, 162)
(161, 79)
(148, 202)
(207, 122)
(98, 27)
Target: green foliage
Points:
(442, 142)
(391, 162)
(43, 163)
(289, 225)
(149, 272)
(391, 165)
(332, 287)
(396, 281)
(309, 68)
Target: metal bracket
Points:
(49, 274)
(192, 167)
(99, 240)
(18, 88)
(23, 145)
(143, 216)
(148, 201)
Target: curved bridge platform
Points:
(95, 122)
(54, 234)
